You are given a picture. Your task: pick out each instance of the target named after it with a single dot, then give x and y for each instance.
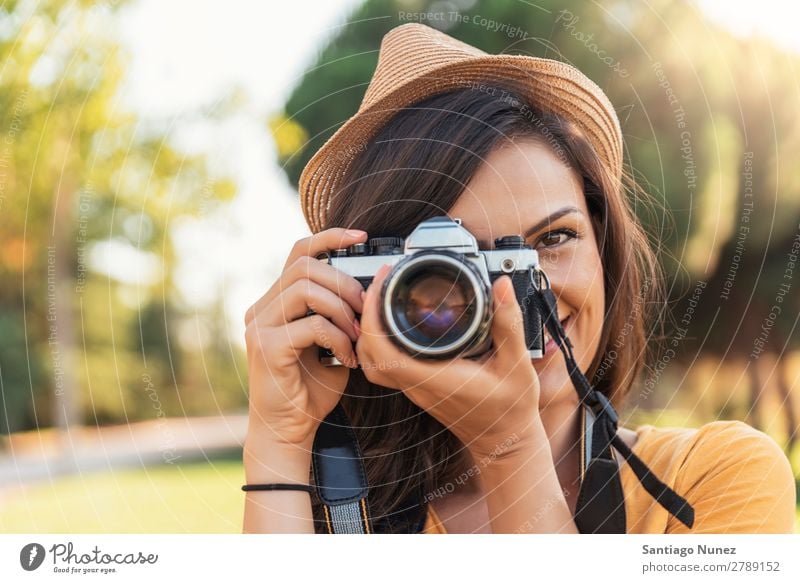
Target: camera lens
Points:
(435, 304)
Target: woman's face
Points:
(525, 188)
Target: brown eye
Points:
(557, 237)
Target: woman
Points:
(508, 145)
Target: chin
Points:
(555, 385)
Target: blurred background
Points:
(149, 153)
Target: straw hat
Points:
(416, 62)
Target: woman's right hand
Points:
(291, 392)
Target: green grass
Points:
(199, 497)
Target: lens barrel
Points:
(436, 304)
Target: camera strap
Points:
(340, 476)
(341, 483)
(601, 504)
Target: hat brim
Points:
(550, 85)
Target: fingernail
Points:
(357, 327)
(363, 295)
(354, 233)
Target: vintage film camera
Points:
(436, 301)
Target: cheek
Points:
(589, 301)
(578, 281)
(578, 276)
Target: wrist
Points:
(512, 446)
(285, 433)
(270, 461)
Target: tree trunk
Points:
(60, 289)
(787, 405)
(756, 389)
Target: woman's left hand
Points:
(491, 404)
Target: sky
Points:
(775, 19)
(186, 54)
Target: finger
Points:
(296, 336)
(324, 241)
(508, 334)
(371, 324)
(343, 285)
(304, 295)
(374, 347)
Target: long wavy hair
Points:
(415, 168)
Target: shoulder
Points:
(730, 442)
(723, 447)
(736, 477)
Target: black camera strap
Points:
(601, 503)
(342, 486)
(340, 476)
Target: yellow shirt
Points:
(737, 479)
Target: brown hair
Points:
(415, 168)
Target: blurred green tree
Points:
(87, 194)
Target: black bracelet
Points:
(303, 487)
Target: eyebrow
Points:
(551, 219)
(543, 223)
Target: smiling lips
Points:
(549, 343)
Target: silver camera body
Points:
(436, 301)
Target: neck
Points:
(561, 422)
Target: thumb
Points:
(508, 333)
